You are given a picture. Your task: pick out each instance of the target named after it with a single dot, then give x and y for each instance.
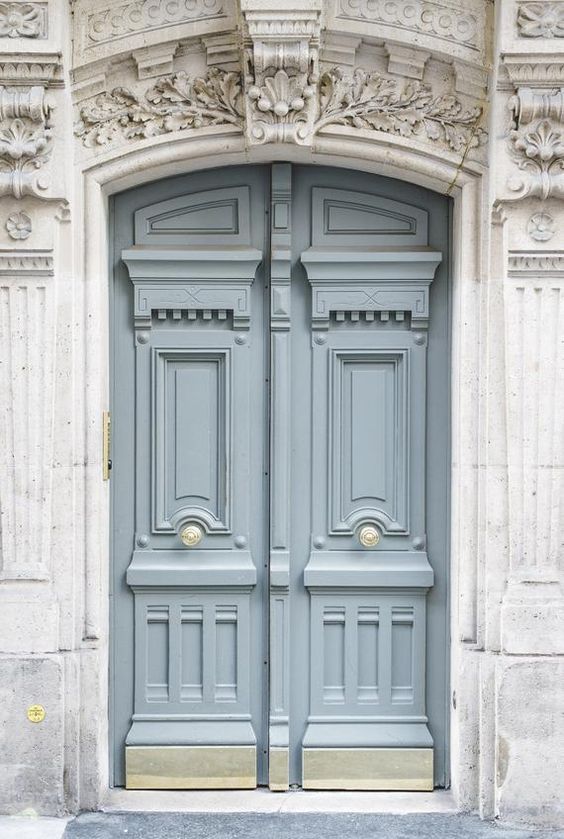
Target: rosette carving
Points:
(541, 20)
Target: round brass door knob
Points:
(368, 536)
(191, 535)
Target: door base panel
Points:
(278, 769)
(368, 769)
(190, 767)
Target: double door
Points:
(280, 481)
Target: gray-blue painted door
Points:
(280, 369)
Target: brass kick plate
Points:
(368, 769)
(190, 767)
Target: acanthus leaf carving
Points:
(281, 63)
(25, 142)
(537, 143)
(175, 102)
(541, 20)
(370, 100)
(286, 103)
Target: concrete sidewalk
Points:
(272, 825)
(290, 826)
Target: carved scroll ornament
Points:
(285, 108)
(25, 142)
(537, 138)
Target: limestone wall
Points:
(99, 95)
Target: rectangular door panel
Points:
(362, 282)
(194, 494)
(280, 482)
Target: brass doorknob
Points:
(191, 535)
(368, 536)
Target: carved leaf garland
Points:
(366, 100)
(395, 106)
(173, 103)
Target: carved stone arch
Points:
(164, 156)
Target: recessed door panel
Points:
(279, 481)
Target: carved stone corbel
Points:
(25, 141)
(281, 58)
(537, 140)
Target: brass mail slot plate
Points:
(190, 767)
(368, 769)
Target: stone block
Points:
(530, 742)
(31, 754)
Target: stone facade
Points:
(461, 96)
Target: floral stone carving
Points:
(18, 225)
(281, 76)
(22, 20)
(541, 20)
(541, 227)
(284, 108)
(537, 140)
(173, 103)
(25, 142)
(395, 106)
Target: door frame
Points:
(340, 148)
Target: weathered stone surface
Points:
(31, 754)
(414, 90)
(530, 741)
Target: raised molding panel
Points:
(192, 460)
(369, 463)
(27, 342)
(371, 658)
(343, 218)
(215, 217)
(350, 378)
